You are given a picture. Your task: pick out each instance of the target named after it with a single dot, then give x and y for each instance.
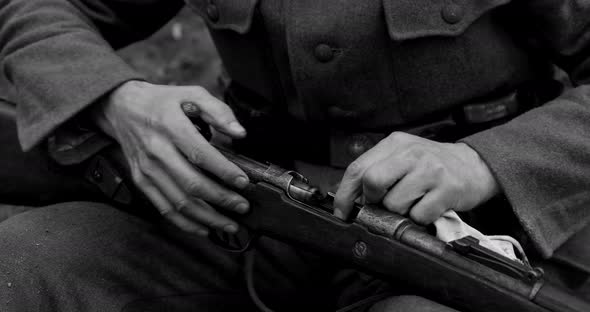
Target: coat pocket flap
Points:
(234, 15)
(409, 19)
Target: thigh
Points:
(92, 257)
(409, 304)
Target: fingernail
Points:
(236, 127)
(241, 182)
(230, 228)
(242, 207)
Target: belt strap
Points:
(345, 146)
(339, 147)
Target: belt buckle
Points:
(487, 111)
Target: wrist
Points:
(103, 113)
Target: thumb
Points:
(200, 103)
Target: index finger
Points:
(351, 186)
(203, 155)
(213, 111)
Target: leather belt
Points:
(345, 147)
(339, 147)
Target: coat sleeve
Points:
(541, 159)
(58, 54)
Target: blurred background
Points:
(181, 53)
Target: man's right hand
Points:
(168, 156)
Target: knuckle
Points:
(215, 195)
(396, 135)
(229, 173)
(355, 170)
(395, 204)
(196, 156)
(416, 151)
(436, 166)
(193, 187)
(183, 226)
(154, 121)
(151, 147)
(213, 223)
(145, 164)
(181, 204)
(225, 201)
(437, 170)
(138, 178)
(399, 136)
(165, 211)
(372, 179)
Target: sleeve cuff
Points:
(540, 161)
(63, 91)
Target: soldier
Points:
(315, 85)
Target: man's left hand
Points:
(414, 176)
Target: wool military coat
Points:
(383, 62)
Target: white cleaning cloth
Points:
(450, 227)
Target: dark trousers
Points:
(91, 257)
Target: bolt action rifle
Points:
(461, 274)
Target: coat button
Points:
(324, 53)
(213, 12)
(358, 145)
(452, 13)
